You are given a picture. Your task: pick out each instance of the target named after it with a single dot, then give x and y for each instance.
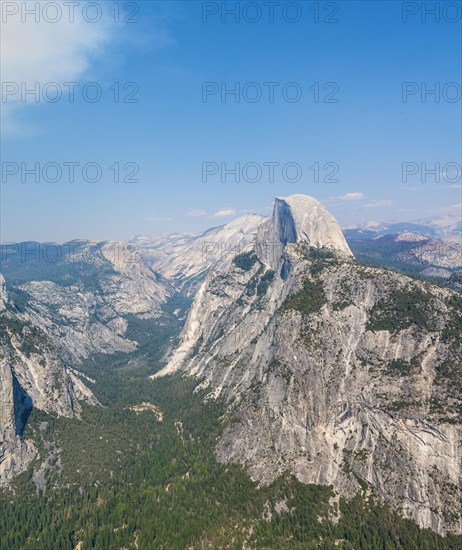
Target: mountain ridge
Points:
(337, 372)
(331, 367)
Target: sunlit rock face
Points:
(296, 219)
(340, 373)
(184, 259)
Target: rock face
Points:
(446, 254)
(340, 373)
(299, 218)
(31, 375)
(82, 293)
(82, 300)
(185, 259)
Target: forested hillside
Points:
(148, 479)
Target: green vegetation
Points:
(316, 252)
(151, 334)
(344, 295)
(177, 303)
(453, 328)
(62, 273)
(308, 300)
(401, 367)
(265, 282)
(129, 480)
(257, 284)
(400, 310)
(321, 258)
(30, 338)
(280, 369)
(388, 253)
(245, 261)
(253, 283)
(124, 479)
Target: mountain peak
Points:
(300, 218)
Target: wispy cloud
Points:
(451, 210)
(357, 197)
(440, 186)
(196, 213)
(224, 213)
(63, 51)
(353, 196)
(39, 53)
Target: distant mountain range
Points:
(445, 228)
(430, 249)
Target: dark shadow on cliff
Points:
(22, 406)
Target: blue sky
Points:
(172, 130)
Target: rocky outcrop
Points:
(32, 374)
(78, 299)
(128, 285)
(431, 252)
(185, 259)
(340, 373)
(82, 293)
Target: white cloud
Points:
(196, 213)
(450, 211)
(43, 52)
(35, 54)
(349, 197)
(378, 203)
(353, 196)
(224, 213)
(64, 50)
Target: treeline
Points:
(127, 480)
